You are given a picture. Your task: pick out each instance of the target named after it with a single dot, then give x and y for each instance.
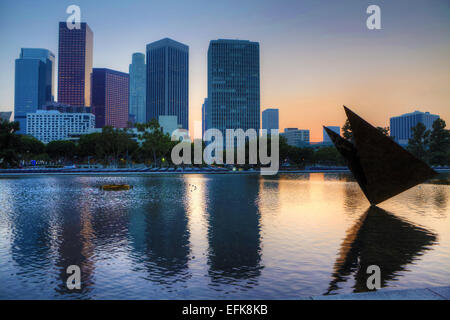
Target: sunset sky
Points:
(315, 55)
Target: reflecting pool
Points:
(216, 237)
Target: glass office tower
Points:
(168, 80)
(34, 84)
(110, 90)
(270, 120)
(137, 87)
(75, 65)
(204, 116)
(233, 85)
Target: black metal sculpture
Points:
(381, 167)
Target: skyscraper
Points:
(233, 85)
(400, 126)
(270, 120)
(168, 80)
(110, 90)
(75, 65)
(204, 116)
(137, 87)
(326, 139)
(34, 87)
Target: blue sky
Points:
(315, 55)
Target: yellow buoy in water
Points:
(116, 187)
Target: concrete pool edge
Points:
(431, 293)
(168, 173)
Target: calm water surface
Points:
(216, 236)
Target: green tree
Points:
(60, 149)
(301, 156)
(347, 131)
(9, 144)
(439, 144)
(418, 143)
(328, 156)
(91, 145)
(30, 147)
(127, 146)
(155, 143)
(110, 144)
(284, 149)
(384, 130)
(116, 143)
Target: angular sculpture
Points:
(381, 167)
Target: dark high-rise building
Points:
(168, 80)
(75, 55)
(233, 85)
(34, 74)
(110, 90)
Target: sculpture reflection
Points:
(382, 239)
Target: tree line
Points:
(119, 148)
(431, 146)
(110, 147)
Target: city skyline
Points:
(311, 63)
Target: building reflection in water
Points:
(440, 196)
(440, 199)
(30, 236)
(268, 200)
(50, 234)
(332, 176)
(382, 239)
(234, 253)
(76, 237)
(159, 232)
